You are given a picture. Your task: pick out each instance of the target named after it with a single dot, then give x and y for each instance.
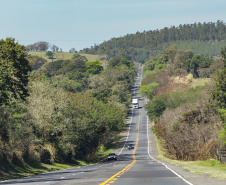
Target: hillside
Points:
(200, 38)
(66, 55)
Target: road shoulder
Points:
(195, 179)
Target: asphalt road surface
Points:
(133, 167)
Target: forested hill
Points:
(203, 38)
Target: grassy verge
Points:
(211, 167)
(9, 171)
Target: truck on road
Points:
(135, 103)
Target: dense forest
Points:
(201, 38)
(60, 111)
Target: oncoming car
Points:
(130, 146)
(112, 156)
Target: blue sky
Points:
(81, 23)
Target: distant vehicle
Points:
(135, 103)
(112, 156)
(130, 146)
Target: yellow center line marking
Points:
(134, 158)
(130, 165)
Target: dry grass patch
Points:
(183, 80)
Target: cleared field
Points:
(65, 55)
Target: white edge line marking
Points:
(162, 162)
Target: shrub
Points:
(180, 72)
(188, 132)
(148, 90)
(156, 106)
(155, 77)
(46, 156)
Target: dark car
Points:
(130, 146)
(112, 156)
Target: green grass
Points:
(9, 171)
(65, 55)
(211, 167)
(199, 82)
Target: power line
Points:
(64, 40)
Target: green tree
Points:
(36, 62)
(80, 57)
(219, 91)
(50, 54)
(115, 61)
(194, 64)
(94, 67)
(127, 63)
(149, 90)
(156, 106)
(14, 69)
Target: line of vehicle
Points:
(117, 175)
(127, 133)
(129, 126)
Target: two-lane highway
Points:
(143, 169)
(134, 166)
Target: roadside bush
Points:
(46, 156)
(148, 73)
(188, 133)
(149, 90)
(172, 100)
(32, 154)
(156, 106)
(156, 77)
(36, 62)
(15, 132)
(168, 85)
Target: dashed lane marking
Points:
(128, 166)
